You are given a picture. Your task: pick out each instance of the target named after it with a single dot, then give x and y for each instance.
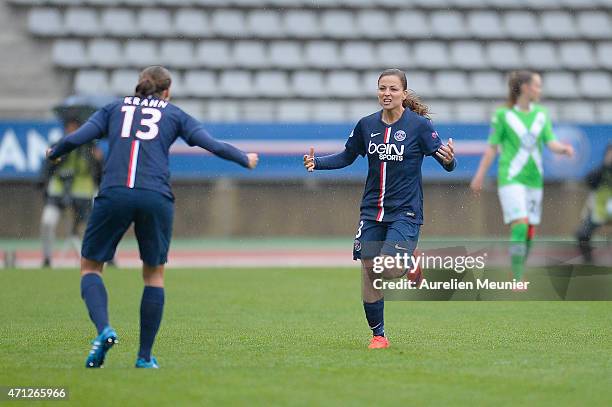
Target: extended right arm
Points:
(335, 161)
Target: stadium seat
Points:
(123, 81)
(105, 53)
(488, 85)
(594, 24)
(322, 54)
(155, 23)
(448, 24)
(236, 83)
(229, 23)
(250, 54)
(373, 24)
(521, 25)
(540, 55)
(472, 112)
(191, 23)
(138, 53)
(285, 54)
(294, 111)
(273, 84)
(506, 4)
(119, 22)
(258, 111)
(577, 55)
(301, 24)
(343, 84)
(177, 53)
(393, 54)
(69, 54)
(178, 88)
(421, 83)
(45, 22)
(410, 24)
(338, 24)
(369, 80)
(358, 55)
(604, 112)
(441, 111)
(558, 25)
(468, 3)
(595, 84)
(451, 84)
(81, 22)
(194, 108)
(200, 83)
(431, 54)
(485, 25)
(91, 82)
(577, 4)
(577, 112)
(308, 84)
(560, 85)
(357, 110)
(223, 111)
(504, 55)
(541, 4)
(265, 24)
(215, 54)
(467, 55)
(329, 111)
(604, 54)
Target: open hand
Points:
(253, 160)
(447, 152)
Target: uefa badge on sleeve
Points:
(434, 134)
(357, 245)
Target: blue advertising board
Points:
(282, 145)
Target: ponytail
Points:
(413, 101)
(516, 80)
(152, 81)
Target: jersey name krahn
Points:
(387, 152)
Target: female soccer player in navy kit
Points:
(395, 140)
(135, 189)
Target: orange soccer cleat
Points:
(379, 342)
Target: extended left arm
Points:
(560, 148)
(82, 135)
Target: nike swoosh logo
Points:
(374, 134)
(398, 247)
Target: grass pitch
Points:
(298, 337)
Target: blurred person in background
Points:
(135, 189)
(519, 132)
(598, 207)
(395, 140)
(71, 184)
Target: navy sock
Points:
(93, 293)
(151, 309)
(375, 312)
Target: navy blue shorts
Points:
(387, 238)
(114, 211)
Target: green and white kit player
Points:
(519, 132)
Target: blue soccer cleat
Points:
(100, 345)
(143, 364)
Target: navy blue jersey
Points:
(395, 152)
(140, 132)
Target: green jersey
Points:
(521, 137)
(74, 176)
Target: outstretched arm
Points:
(485, 163)
(329, 162)
(82, 135)
(202, 139)
(560, 148)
